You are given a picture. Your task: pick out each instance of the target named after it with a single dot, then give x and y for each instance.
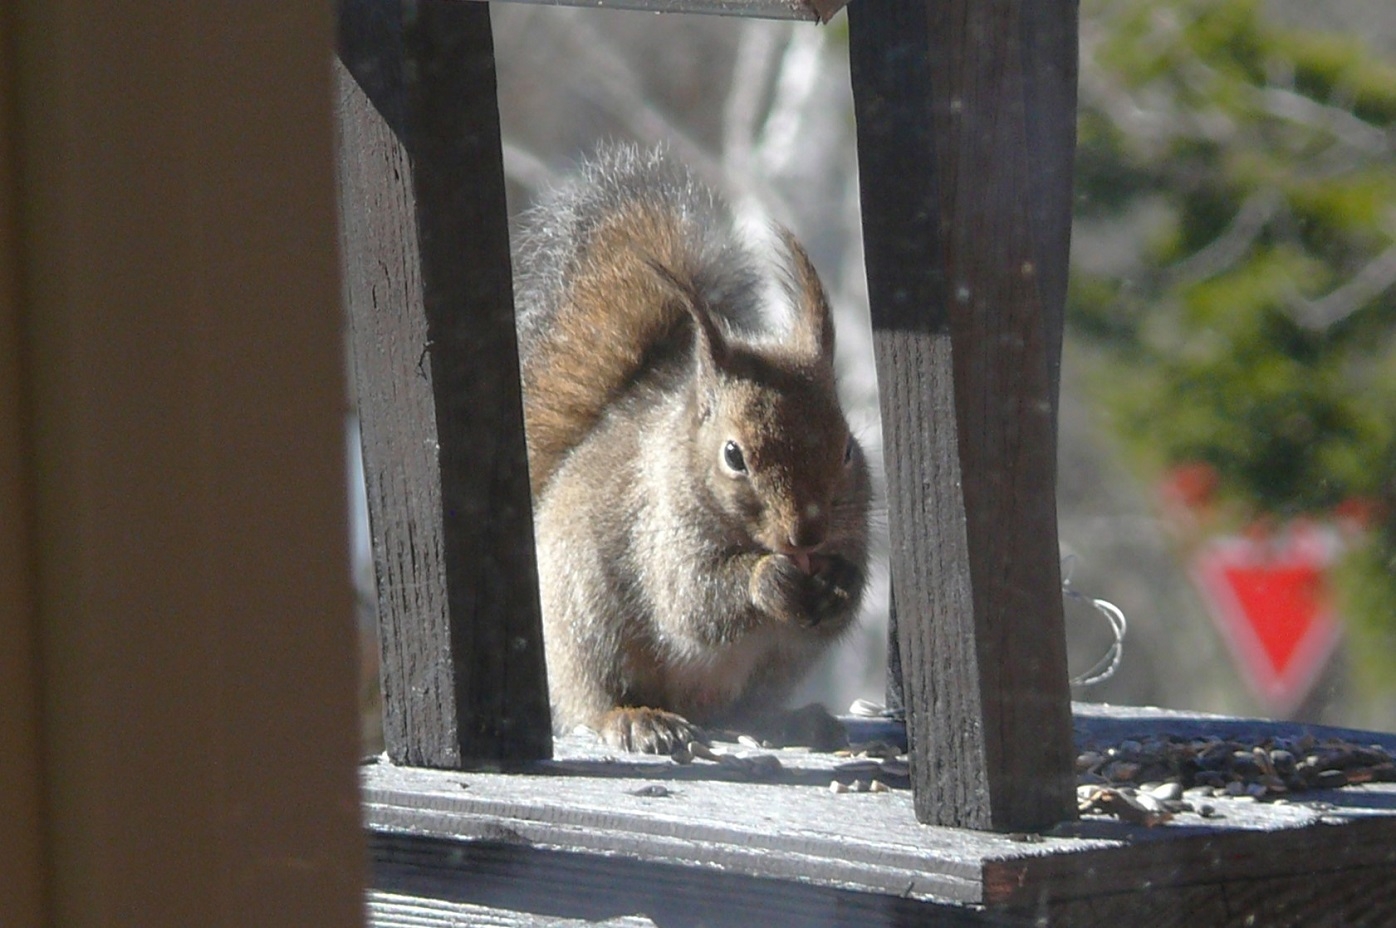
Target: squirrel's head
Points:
(769, 435)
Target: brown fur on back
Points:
(617, 316)
(594, 316)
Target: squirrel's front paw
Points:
(780, 588)
(647, 731)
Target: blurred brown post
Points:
(178, 728)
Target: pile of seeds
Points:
(1271, 767)
(1146, 781)
(1150, 780)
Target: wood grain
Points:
(426, 257)
(965, 136)
(401, 910)
(747, 9)
(580, 837)
(538, 884)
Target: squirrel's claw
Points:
(805, 594)
(647, 731)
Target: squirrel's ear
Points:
(813, 331)
(709, 343)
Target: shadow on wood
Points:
(510, 875)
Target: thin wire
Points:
(1104, 668)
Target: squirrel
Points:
(700, 505)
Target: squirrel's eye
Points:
(848, 451)
(732, 457)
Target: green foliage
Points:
(1253, 324)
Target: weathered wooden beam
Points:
(810, 11)
(641, 840)
(966, 115)
(427, 279)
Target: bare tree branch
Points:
(1343, 125)
(1231, 246)
(616, 88)
(1375, 278)
(525, 168)
(779, 142)
(758, 49)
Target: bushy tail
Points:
(593, 314)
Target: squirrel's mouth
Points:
(809, 562)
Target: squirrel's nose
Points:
(810, 531)
(803, 542)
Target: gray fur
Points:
(674, 590)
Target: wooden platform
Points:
(595, 837)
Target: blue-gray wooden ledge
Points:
(579, 838)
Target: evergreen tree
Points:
(1252, 327)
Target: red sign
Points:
(1270, 598)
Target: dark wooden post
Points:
(966, 134)
(426, 263)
